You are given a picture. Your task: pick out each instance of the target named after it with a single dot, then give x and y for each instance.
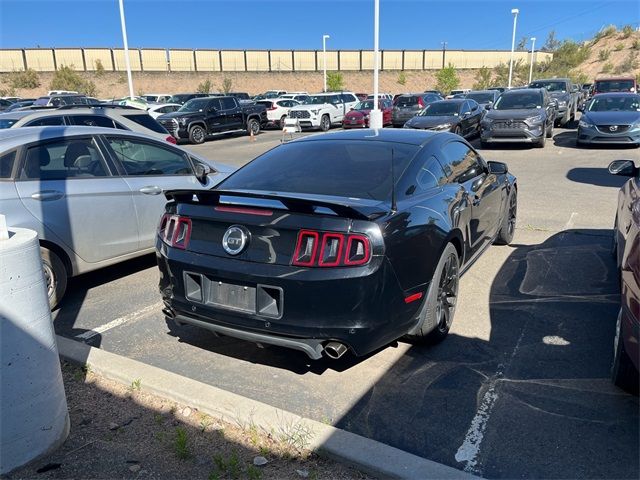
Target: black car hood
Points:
(521, 114)
(560, 95)
(432, 121)
(612, 117)
(167, 116)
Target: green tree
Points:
(99, 67)
(447, 79)
(402, 78)
(335, 81)
(205, 87)
(24, 79)
(227, 85)
(68, 79)
(552, 43)
(483, 79)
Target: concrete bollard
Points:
(33, 416)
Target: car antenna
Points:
(394, 207)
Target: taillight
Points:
(331, 249)
(170, 139)
(420, 102)
(272, 107)
(175, 230)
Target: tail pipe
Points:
(335, 350)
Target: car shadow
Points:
(596, 176)
(566, 140)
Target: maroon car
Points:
(358, 117)
(626, 246)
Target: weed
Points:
(66, 78)
(135, 385)
(221, 465)
(627, 31)
(227, 85)
(629, 64)
(264, 451)
(99, 67)
(402, 78)
(205, 422)
(636, 44)
(158, 418)
(161, 436)
(205, 87)
(295, 435)
(604, 54)
(618, 47)
(326, 420)
(181, 444)
(335, 81)
(254, 438)
(254, 473)
(213, 476)
(173, 409)
(607, 67)
(24, 79)
(234, 465)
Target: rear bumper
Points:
(361, 307)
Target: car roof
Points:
(450, 100)
(393, 135)
(522, 90)
(482, 91)
(551, 80)
(617, 94)
(88, 110)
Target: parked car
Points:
(408, 105)
(92, 194)
(277, 110)
(460, 92)
(155, 110)
(335, 243)
(123, 118)
(361, 96)
(586, 90)
(298, 97)
(239, 95)
(323, 110)
(615, 84)
(435, 92)
(11, 99)
(385, 96)
(58, 100)
(200, 117)
(182, 98)
(485, 98)
(358, 117)
(270, 94)
(610, 118)
(157, 97)
(498, 89)
(626, 249)
(523, 115)
(460, 116)
(22, 103)
(5, 104)
(566, 94)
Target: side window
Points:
(347, 98)
(215, 104)
(6, 164)
(63, 159)
(465, 107)
(91, 121)
(141, 158)
(462, 163)
(41, 122)
(431, 174)
(473, 105)
(228, 103)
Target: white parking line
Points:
(119, 321)
(571, 221)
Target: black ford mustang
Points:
(335, 242)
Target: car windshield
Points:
(42, 101)
(354, 169)
(7, 122)
(551, 86)
(366, 105)
(518, 101)
(440, 108)
(151, 98)
(481, 97)
(629, 103)
(194, 105)
(317, 100)
(614, 85)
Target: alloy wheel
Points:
(447, 294)
(513, 210)
(49, 278)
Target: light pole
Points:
(324, 59)
(533, 47)
(375, 115)
(515, 12)
(444, 49)
(127, 62)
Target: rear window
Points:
(7, 122)
(146, 121)
(614, 85)
(408, 101)
(6, 164)
(356, 169)
(42, 101)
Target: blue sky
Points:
(299, 24)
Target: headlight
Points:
(535, 119)
(585, 124)
(314, 112)
(183, 121)
(562, 103)
(442, 126)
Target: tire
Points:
(541, 142)
(197, 134)
(438, 308)
(623, 372)
(549, 132)
(508, 225)
(253, 126)
(55, 275)
(572, 118)
(282, 119)
(325, 123)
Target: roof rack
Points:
(99, 105)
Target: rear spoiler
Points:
(310, 204)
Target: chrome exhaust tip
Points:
(335, 350)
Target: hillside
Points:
(612, 54)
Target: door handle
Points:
(45, 195)
(151, 190)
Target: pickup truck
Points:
(565, 93)
(200, 117)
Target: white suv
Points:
(322, 110)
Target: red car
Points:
(626, 246)
(358, 117)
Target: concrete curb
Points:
(369, 456)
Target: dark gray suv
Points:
(524, 115)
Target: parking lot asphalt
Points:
(520, 388)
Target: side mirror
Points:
(497, 168)
(477, 183)
(488, 106)
(201, 172)
(554, 102)
(625, 168)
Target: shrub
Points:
(607, 67)
(99, 68)
(567, 57)
(205, 87)
(618, 47)
(627, 31)
(335, 81)
(402, 78)
(68, 79)
(604, 54)
(605, 32)
(447, 79)
(579, 77)
(24, 79)
(629, 64)
(227, 85)
(636, 44)
(7, 92)
(483, 79)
